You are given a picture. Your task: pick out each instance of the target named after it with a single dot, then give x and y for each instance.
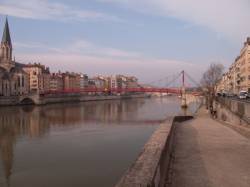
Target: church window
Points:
(19, 81)
(22, 81)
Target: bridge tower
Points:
(183, 92)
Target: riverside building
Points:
(13, 80)
(39, 77)
(34, 78)
(237, 78)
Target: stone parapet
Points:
(233, 111)
(151, 167)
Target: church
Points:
(13, 79)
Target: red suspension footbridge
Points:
(175, 86)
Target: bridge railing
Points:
(113, 90)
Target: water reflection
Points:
(7, 141)
(29, 122)
(36, 121)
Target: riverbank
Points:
(209, 154)
(51, 99)
(182, 152)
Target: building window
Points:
(34, 72)
(248, 77)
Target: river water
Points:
(87, 144)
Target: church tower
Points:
(6, 45)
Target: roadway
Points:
(236, 98)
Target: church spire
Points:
(6, 34)
(6, 45)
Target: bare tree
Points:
(209, 81)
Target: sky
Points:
(151, 39)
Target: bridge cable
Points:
(173, 80)
(192, 80)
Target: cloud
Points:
(227, 17)
(88, 48)
(87, 57)
(45, 10)
(78, 47)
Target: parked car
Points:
(243, 95)
(230, 94)
(248, 95)
(218, 94)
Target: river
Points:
(87, 144)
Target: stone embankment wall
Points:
(35, 99)
(8, 101)
(233, 111)
(152, 165)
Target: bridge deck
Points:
(210, 154)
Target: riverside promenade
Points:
(209, 154)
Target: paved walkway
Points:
(208, 154)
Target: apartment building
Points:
(132, 82)
(83, 81)
(56, 82)
(71, 81)
(112, 82)
(237, 78)
(39, 76)
(99, 82)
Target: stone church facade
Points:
(13, 80)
